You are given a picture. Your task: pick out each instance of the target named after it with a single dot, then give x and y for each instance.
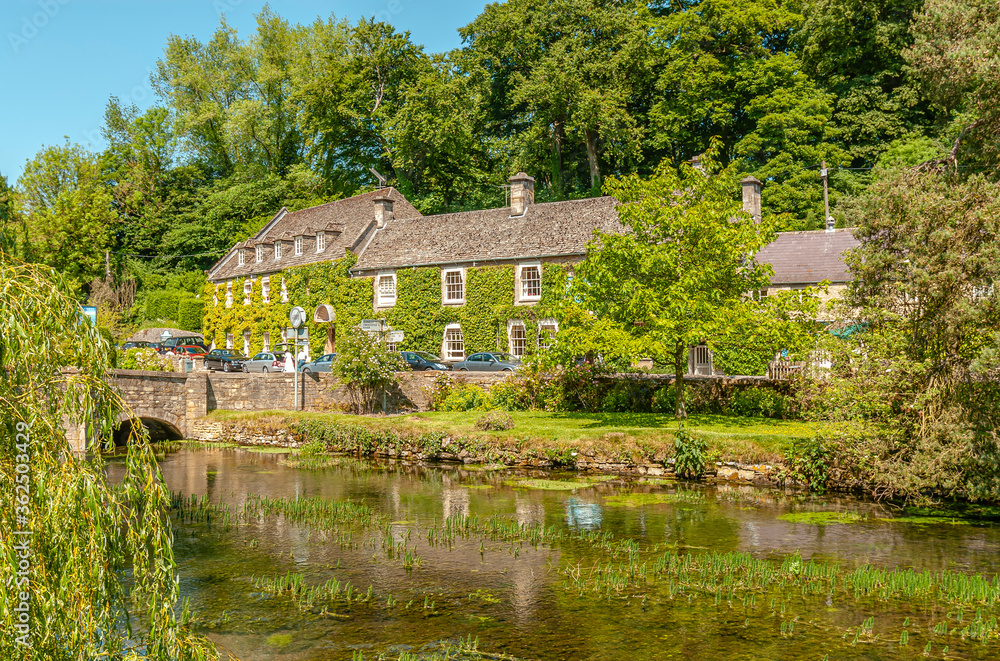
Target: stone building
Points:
(427, 276)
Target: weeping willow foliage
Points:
(101, 576)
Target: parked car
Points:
(492, 361)
(421, 361)
(189, 350)
(322, 364)
(265, 361)
(137, 344)
(226, 360)
(190, 340)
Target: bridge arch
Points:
(161, 425)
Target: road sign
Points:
(372, 325)
(292, 334)
(395, 337)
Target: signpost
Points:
(373, 325)
(299, 337)
(395, 337)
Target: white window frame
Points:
(247, 290)
(320, 241)
(229, 295)
(215, 296)
(246, 343)
(265, 288)
(521, 295)
(240, 257)
(445, 350)
(298, 245)
(284, 291)
(385, 300)
(542, 324)
(445, 300)
(266, 342)
(512, 326)
(229, 340)
(277, 250)
(260, 253)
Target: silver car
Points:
(488, 361)
(265, 361)
(321, 364)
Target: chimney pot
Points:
(831, 224)
(522, 193)
(383, 209)
(751, 197)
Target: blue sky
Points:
(61, 59)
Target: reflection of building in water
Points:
(579, 514)
(455, 502)
(529, 512)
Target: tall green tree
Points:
(69, 219)
(727, 69)
(683, 270)
(956, 56)
(854, 49)
(564, 75)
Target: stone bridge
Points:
(171, 404)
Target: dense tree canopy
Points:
(571, 91)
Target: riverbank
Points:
(742, 450)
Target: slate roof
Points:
(346, 222)
(153, 334)
(808, 257)
(549, 229)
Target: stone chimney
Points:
(751, 197)
(522, 193)
(383, 209)
(831, 224)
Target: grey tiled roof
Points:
(549, 229)
(346, 223)
(808, 257)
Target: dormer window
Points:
(530, 277)
(320, 241)
(240, 258)
(298, 245)
(260, 254)
(277, 249)
(386, 289)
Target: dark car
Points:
(491, 361)
(321, 364)
(138, 344)
(421, 361)
(226, 360)
(191, 340)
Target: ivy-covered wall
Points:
(489, 304)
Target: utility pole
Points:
(107, 265)
(824, 175)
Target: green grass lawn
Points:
(727, 437)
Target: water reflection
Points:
(583, 515)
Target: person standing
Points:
(289, 362)
(303, 357)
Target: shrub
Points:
(495, 421)
(464, 397)
(366, 368)
(440, 389)
(808, 461)
(143, 359)
(629, 396)
(665, 399)
(509, 395)
(189, 311)
(757, 402)
(312, 448)
(689, 454)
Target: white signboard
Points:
(372, 325)
(395, 337)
